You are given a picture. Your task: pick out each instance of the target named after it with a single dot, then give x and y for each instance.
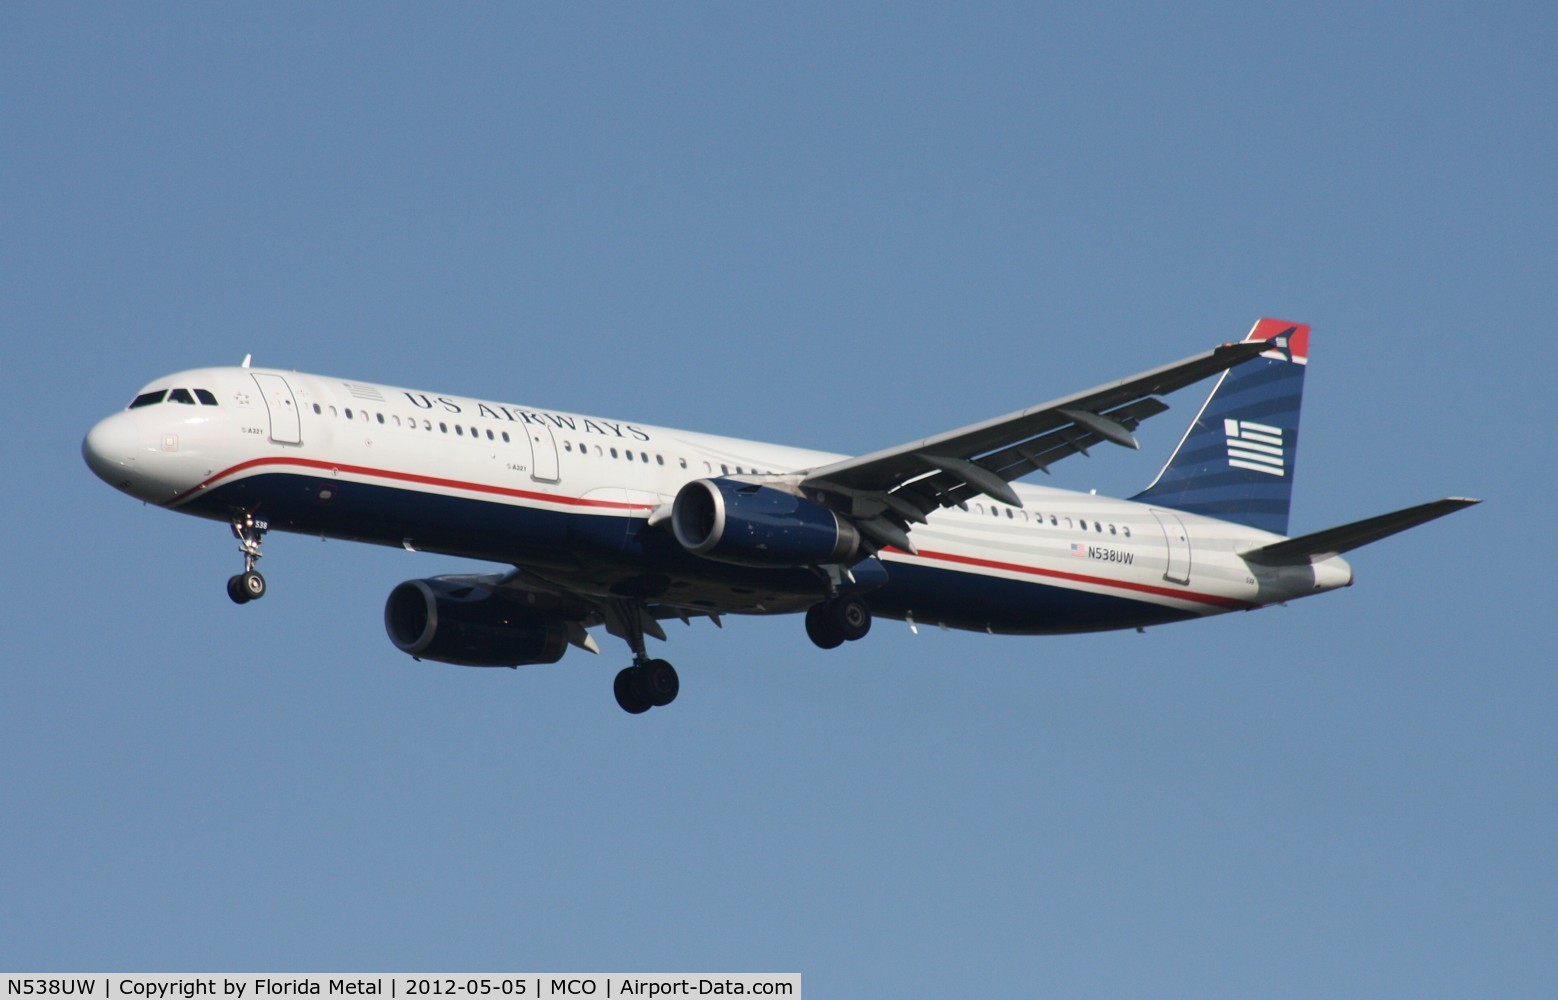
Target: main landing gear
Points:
(248, 585)
(840, 619)
(647, 683)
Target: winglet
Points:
(1289, 341)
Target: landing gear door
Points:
(1177, 570)
(543, 449)
(285, 425)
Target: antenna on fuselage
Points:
(246, 359)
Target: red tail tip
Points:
(1291, 339)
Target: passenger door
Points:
(285, 424)
(1177, 570)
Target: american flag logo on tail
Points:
(1257, 447)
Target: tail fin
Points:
(1236, 462)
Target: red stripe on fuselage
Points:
(1214, 600)
(409, 477)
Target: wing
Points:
(887, 491)
(623, 617)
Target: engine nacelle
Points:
(457, 621)
(753, 525)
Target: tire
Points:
(630, 691)
(660, 682)
(850, 616)
(819, 627)
(252, 584)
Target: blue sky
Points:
(834, 226)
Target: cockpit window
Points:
(148, 398)
(206, 396)
(181, 396)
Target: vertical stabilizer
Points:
(1236, 462)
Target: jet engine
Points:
(753, 525)
(459, 621)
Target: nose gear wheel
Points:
(248, 585)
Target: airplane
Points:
(624, 525)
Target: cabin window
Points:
(207, 397)
(148, 399)
(181, 396)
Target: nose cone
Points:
(109, 450)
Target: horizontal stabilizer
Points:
(1335, 541)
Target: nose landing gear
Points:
(248, 585)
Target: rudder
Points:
(1237, 460)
